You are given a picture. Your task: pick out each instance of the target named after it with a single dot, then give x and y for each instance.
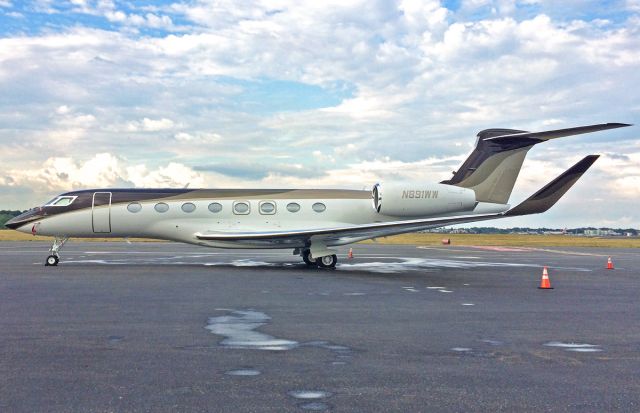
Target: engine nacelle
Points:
(415, 200)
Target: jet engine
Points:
(416, 200)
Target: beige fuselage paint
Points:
(177, 225)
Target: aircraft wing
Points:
(339, 234)
(546, 197)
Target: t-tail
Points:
(493, 167)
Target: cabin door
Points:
(101, 212)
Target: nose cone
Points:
(22, 221)
(14, 223)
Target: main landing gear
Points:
(328, 261)
(307, 259)
(54, 258)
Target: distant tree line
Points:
(527, 230)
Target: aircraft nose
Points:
(23, 219)
(14, 223)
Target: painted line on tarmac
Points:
(564, 252)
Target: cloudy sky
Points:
(108, 93)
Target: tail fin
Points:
(493, 167)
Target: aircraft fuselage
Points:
(178, 214)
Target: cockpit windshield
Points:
(61, 201)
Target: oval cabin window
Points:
(215, 207)
(134, 207)
(188, 207)
(267, 208)
(319, 207)
(293, 207)
(161, 207)
(241, 208)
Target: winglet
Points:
(553, 191)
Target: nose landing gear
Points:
(54, 258)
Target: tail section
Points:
(493, 167)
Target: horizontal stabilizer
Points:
(493, 166)
(553, 191)
(558, 133)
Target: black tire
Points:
(307, 260)
(52, 261)
(328, 261)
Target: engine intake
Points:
(415, 200)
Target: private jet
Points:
(310, 221)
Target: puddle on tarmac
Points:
(238, 330)
(387, 267)
(492, 342)
(426, 264)
(445, 291)
(242, 263)
(568, 345)
(354, 294)
(576, 347)
(309, 394)
(467, 304)
(243, 372)
(115, 339)
(461, 349)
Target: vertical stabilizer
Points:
(493, 167)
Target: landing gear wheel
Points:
(306, 259)
(328, 261)
(58, 243)
(52, 260)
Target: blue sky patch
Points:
(265, 96)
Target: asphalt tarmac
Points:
(158, 327)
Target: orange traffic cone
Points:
(545, 284)
(609, 264)
(350, 255)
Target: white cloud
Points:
(420, 81)
(44, 6)
(633, 5)
(200, 137)
(104, 170)
(150, 125)
(109, 10)
(148, 20)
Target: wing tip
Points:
(551, 193)
(618, 124)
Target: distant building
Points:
(600, 233)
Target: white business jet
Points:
(309, 221)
